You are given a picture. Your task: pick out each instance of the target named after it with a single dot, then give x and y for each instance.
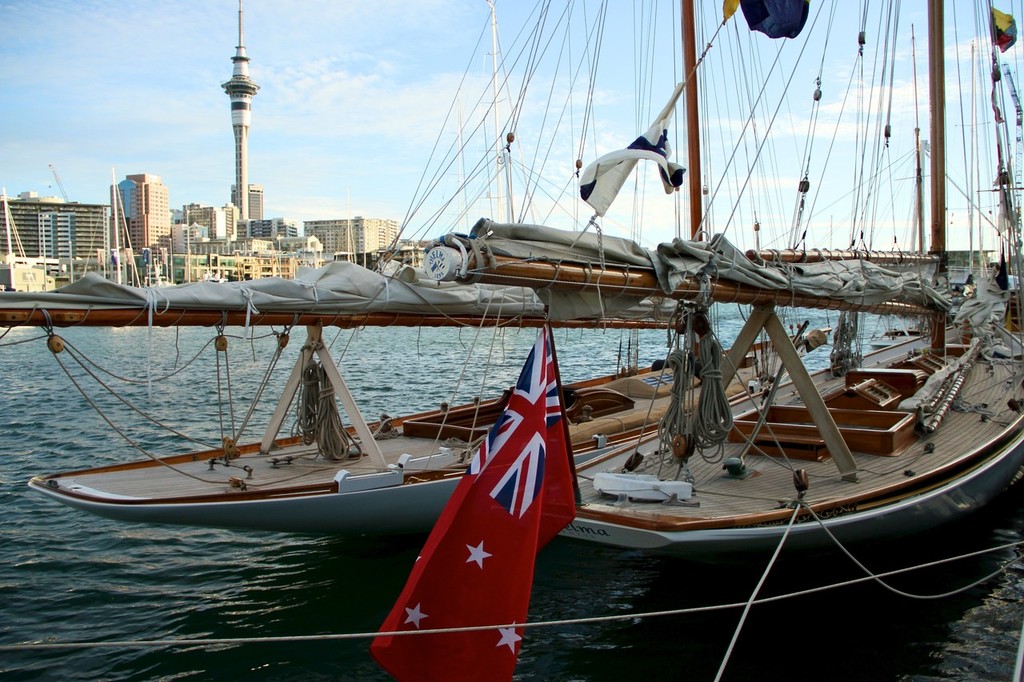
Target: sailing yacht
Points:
(878, 447)
(704, 455)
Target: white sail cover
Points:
(853, 281)
(338, 288)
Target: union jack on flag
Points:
(516, 430)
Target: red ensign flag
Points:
(477, 565)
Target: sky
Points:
(92, 86)
(354, 97)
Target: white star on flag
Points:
(414, 615)
(508, 638)
(477, 554)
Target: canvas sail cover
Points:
(338, 288)
(855, 281)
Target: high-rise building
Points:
(353, 236)
(146, 212)
(220, 223)
(48, 227)
(185, 236)
(255, 202)
(241, 89)
(273, 228)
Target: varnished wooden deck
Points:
(764, 496)
(188, 479)
(307, 473)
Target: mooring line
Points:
(181, 642)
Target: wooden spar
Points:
(763, 317)
(692, 127)
(819, 255)
(139, 317)
(937, 91)
(642, 282)
(314, 346)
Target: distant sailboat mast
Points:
(7, 224)
(501, 196)
(919, 178)
(115, 195)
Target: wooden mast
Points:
(692, 129)
(919, 172)
(937, 91)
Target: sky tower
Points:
(241, 90)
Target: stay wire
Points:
(77, 356)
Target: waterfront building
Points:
(273, 228)
(70, 235)
(143, 208)
(308, 250)
(255, 198)
(359, 239)
(185, 237)
(221, 223)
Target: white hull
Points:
(949, 502)
(385, 510)
(390, 510)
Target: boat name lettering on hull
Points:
(586, 530)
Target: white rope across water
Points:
(874, 577)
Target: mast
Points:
(498, 156)
(919, 178)
(7, 224)
(114, 196)
(937, 90)
(692, 129)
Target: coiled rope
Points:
(674, 423)
(317, 417)
(714, 414)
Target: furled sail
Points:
(696, 266)
(337, 290)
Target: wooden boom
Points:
(136, 317)
(642, 282)
(819, 255)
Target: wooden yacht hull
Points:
(386, 511)
(995, 469)
(290, 488)
(384, 508)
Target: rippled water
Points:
(69, 576)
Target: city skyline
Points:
(353, 96)
(337, 86)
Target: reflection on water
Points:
(71, 576)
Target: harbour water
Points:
(69, 576)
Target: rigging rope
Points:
(846, 352)
(317, 417)
(618, 617)
(714, 414)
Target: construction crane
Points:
(60, 185)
